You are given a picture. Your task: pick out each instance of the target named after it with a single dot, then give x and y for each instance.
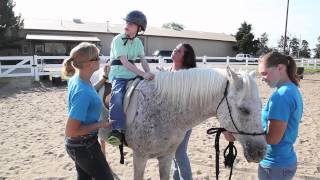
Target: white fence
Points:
(36, 66)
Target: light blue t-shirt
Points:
(285, 104)
(84, 103)
(132, 50)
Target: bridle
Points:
(238, 131)
(230, 157)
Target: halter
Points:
(232, 150)
(238, 131)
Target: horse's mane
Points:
(196, 86)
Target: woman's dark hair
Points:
(272, 59)
(189, 58)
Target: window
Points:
(25, 49)
(39, 49)
(55, 49)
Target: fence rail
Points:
(36, 66)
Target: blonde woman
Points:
(84, 108)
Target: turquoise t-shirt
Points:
(84, 103)
(132, 50)
(285, 104)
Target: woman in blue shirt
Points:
(280, 117)
(84, 108)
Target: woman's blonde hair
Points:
(79, 54)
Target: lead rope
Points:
(228, 158)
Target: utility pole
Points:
(285, 31)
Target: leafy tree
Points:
(294, 47)
(245, 40)
(9, 25)
(174, 26)
(262, 45)
(305, 50)
(317, 49)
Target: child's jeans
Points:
(116, 103)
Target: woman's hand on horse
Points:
(228, 136)
(148, 76)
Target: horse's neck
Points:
(196, 100)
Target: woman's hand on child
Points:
(106, 69)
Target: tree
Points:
(263, 47)
(281, 45)
(305, 51)
(174, 26)
(294, 47)
(317, 49)
(9, 25)
(245, 40)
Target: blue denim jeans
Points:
(277, 173)
(90, 162)
(181, 164)
(116, 103)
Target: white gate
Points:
(22, 68)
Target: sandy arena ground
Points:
(32, 123)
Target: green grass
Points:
(311, 70)
(4, 80)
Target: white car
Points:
(243, 57)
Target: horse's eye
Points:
(244, 110)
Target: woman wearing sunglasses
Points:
(84, 108)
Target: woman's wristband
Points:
(105, 77)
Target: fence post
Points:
(204, 59)
(35, 68)
(228, 60)
(247, 60)
(314, 63)
(301, 63)
(161, 61)
(0, 69)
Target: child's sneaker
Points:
(115, 138)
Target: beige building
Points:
(58, 37)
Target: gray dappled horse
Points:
(161, 111)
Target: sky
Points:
(218, 16)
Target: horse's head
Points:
(240, 112)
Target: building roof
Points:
(62, 38)
(78, 26)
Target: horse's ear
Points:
(253, 74)
(234, 78)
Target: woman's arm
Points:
(276, 131)
(74, 127)
(101, 82)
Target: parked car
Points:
(243, 57)
(163, 53)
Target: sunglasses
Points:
(95, 59)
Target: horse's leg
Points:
(139, 164)
(165, 166)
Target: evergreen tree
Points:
(9, 25)
(317, 49)
(245, 40)
(304, 50)
(174, 26)
(263, 47)
(294, 47)
(281, 45)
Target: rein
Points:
(232, 150)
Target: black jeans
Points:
(90, 162)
